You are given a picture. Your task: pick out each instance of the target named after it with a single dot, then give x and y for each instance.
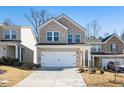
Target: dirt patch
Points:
(102, 80)
(12, 75)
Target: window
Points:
(49, 36)
(70, 38)
(77, 39)
(10, 34)
(53, 36)
(114, 48)
(56, 36)
(7, 34)
(13, 34)
(96, 48)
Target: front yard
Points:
(102, 80)
(12, 75)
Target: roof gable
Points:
(52, 19)
(72, 21)
(105, 39)
(111, 36)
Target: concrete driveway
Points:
(62, 77)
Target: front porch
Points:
(13, 51)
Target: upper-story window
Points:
(49, 36)
(13, 34)
(52, 36)
(7, 34)
(114, 48)
(10, 34)
(77, 39)
(70, 38)
(96, 48)
(56, 36)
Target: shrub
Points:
(102, 71)
(38, 66)
(93, 71)
(33, 66)
(81, 70)
(3, 60)
(10, 61)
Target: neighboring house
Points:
(17, 42)
(63, 44)
(103, 51)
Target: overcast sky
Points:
(110, 18)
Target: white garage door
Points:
(105, 61)
(58, 59)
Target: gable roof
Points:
(72, 21)
(106, 38)
(109, 37)
(52, 19)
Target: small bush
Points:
(81, 70)
(10, 61)
(34, 66)
(102, 71)
(3, 60)
(93, 71)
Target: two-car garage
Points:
(63, 55)
(58, 59)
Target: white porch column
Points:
(89, 58)
(16, 51)
(81, 63)
(84, 58)
(20, 59)
(93, 61)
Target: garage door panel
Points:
(58, 59)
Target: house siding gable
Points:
(53, 26)
(73, 28)
(114, 40)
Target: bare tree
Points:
(8, 22)
(106, 34)
(88, 27)
(36, 19)
(95, 27)
(122, 35)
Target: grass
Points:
(102, 80)
(12, 75)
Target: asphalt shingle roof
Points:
(107, 37)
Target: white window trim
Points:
(53, 36)
(79, 38)
(10, 33)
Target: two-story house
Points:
(63, 44)
(106, 50)
(17, 42)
